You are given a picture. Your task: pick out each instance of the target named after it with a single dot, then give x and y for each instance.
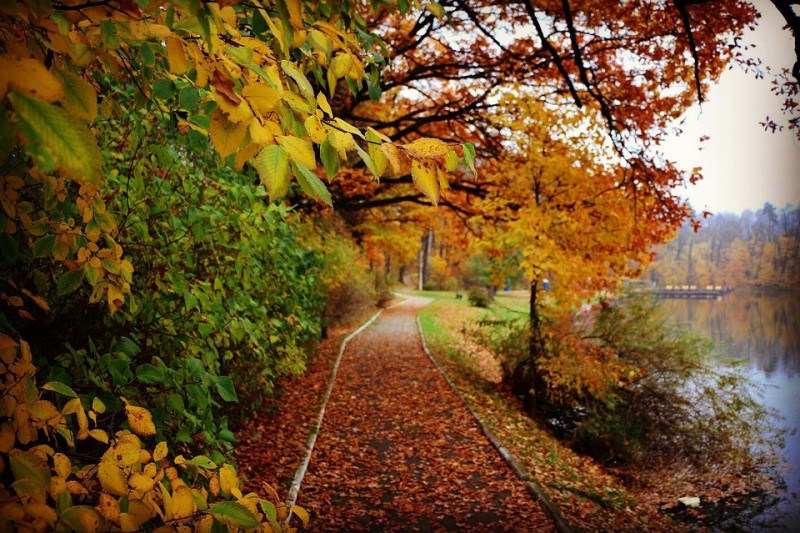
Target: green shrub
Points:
(478, 298)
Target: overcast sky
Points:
(743, 165)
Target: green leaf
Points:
(205, 329)
(330, 158)
(272, 165)
(311, 184)
(300, 79)
(9, 247)
(368, 161)
(163, 88)
(203, 462)
(147, 373)
(234, 514)
(69, 282)
(188, 98)
(28, 465)
(57, 386)
(226, 389)
(469, 156)
(57, 141)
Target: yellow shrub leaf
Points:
(214, 485)
(323, 104)
(176, 55)
(237, 112)
(112, 479)
(124, 452)
(315, 130)
(262, 97)
(28, 465)
(57, 487)
(62, 465)
(83, 518)
(46, 412)
(41, 511)
(227, 479)
(108, 507)
(160, 451)
(298, 150)
(302, 513)
(8, 437)
(182, 505)
(140, 420)
(99, 435)
(141, 482)
(29, 76)
(226, 136)
(98, 405)
(138, 513)
(76, 489)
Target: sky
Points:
(743, 166)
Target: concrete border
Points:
(532, 485)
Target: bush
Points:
(635, 388)
(478, 298)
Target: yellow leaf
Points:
(82, 518)
(46, 412)
(426, 179)
(227, 479)
(160, 451)
(398, 162)
(182, 504)
(108, 507)
(302, 513)
(263, 134)
(62, 465)
(244, 155)
(341, 141)
(262, 97)
(138, 513)
(140, 421)
(41, 511)
(7, 437)
(226, 136)
(124, 452)
(213, 485)
(315, 130)
(295, 13)
(323, 104)
(115, 297)
(237, 112)
(427, 148)
(58, 486)
(76, 489)
(141, 482)
(29, 76)
(112, 479)
(176, 55)
(98, 405)
(298, 150)
(99, 435)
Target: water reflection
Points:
(762, 328)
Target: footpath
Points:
(398, 450)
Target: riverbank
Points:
(590, 496)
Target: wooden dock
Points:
(692, 291)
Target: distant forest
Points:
(757, 249)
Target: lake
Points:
(765, 331)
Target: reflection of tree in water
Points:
(764, 329)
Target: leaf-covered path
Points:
(398, 451)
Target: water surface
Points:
(765, 331)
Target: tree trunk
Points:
(527, 379)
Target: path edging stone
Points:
(533, 486)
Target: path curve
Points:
(398, 450)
